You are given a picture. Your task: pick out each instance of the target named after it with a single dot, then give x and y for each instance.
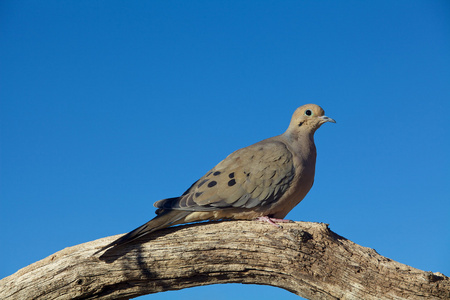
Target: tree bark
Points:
(305, 258)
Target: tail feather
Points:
(161, 221)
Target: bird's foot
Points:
(273, 221)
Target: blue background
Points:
(108, 106)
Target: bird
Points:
(263, 181)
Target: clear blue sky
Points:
(108, 106)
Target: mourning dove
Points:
(263, 181)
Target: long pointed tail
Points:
(163, 220)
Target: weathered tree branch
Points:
(305, 258)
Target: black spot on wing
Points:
(231, 182)
(212, 183)
(202, 182)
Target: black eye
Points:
(308, 112)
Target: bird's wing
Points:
(253, 176)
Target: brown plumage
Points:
(265, 180)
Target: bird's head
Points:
(307, 119)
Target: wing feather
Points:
(253, 176)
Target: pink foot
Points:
(273, 221)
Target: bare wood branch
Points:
(305, 258)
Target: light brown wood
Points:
(307, 259)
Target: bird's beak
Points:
(327, 119)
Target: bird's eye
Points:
(308, 112)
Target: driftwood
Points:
(307, 259)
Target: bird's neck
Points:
(302, 143)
